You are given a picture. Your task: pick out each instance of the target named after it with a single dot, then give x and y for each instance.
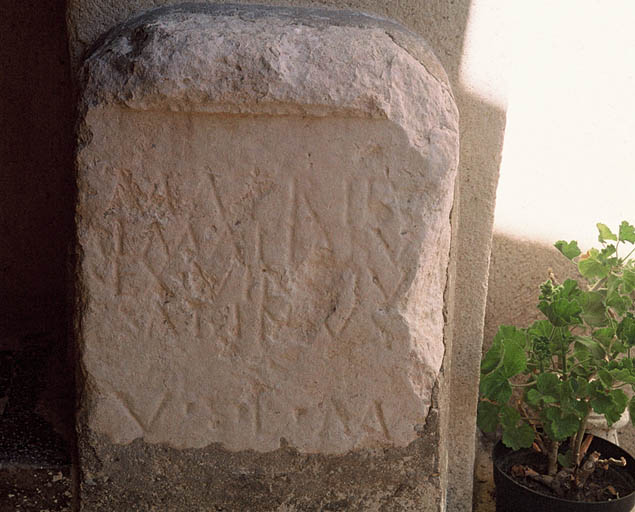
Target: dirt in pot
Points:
(606, 483)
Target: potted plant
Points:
(540, 384)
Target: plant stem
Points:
(579, 437)
(597, 285)
(626, 258)
(524, 385)
(552, 457)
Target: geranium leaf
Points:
(565, 312)
(592, 268)
(593, 308)
(495, 387)
(605, 233)
(487, 416)
(601, 403)
(626, 330)
(492, 358)
(548, 383)
(631, 410)
(569, 249)
(627, 232)
(628, 281)
(514, 358)
(593, 346)
(533, 397)
(560, 425)
(518, 436)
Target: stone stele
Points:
(263, 213)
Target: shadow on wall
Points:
(36, 158)
(517, 269)
(36, 201)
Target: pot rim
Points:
(502, 449)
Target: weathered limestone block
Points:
(263, 221)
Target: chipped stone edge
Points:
(100, 90)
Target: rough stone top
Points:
(246, 59)
(312, 17)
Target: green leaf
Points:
(623, 375)
(565, 312)
(548, 384)
(593, 309)
(626, 330)
(540, 329)
(580, 407)
(536, 398)
(560, 425)
(604, 335)
(609, 250)
(569, 249)
(619, 303)
(509, 416)
(561, 307)
(582, 387)
(605, 233)
(627, 232)
(614, 289)
(487, 416)
(511, 333)
(605, 378)
(631, 410)
(620, 399)
(628, 281)
(533, 397)
(495, 387)
(507, 353)
(591, 267)
(514, 358)
(518, 436)
(601, 403)
(593, 346)
(569, 289)
(492, 358)
(568, 401)
(619, 402)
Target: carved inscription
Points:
(257, 279)
(260, 294)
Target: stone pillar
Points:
(263, 222)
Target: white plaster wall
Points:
(568, 157)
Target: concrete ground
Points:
(35, 465)
(483, 476)
(35, 490)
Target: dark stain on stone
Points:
(144, 477)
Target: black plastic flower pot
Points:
(511, 496)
